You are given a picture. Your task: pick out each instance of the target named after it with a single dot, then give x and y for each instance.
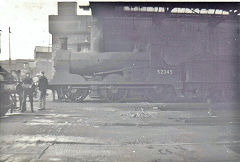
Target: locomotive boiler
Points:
(161, 53)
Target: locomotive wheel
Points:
(161, 94)
(155, 94)
(198, 94)
(113, 94)
(77, 94)
(62, 93)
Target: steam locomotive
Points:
(160, 54)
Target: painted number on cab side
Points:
(165, 71)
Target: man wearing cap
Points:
(27, 91)
(42, 85)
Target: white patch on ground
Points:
(54, 159)
(59, 115)
(139, 114)
(47, 122)
(42, 120)
(14, 113)
(23, 145)
(100, 108)
(55, 124)
(46, 139)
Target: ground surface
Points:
(95, 131)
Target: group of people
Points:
(28, 88)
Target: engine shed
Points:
(133, 24)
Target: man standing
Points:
(42, 84)
(27, 90)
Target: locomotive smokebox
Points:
(61, 70)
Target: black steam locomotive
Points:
(161, 53)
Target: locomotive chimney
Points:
(67, 8)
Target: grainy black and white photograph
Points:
(119, 81)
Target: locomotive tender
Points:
(162, 50)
